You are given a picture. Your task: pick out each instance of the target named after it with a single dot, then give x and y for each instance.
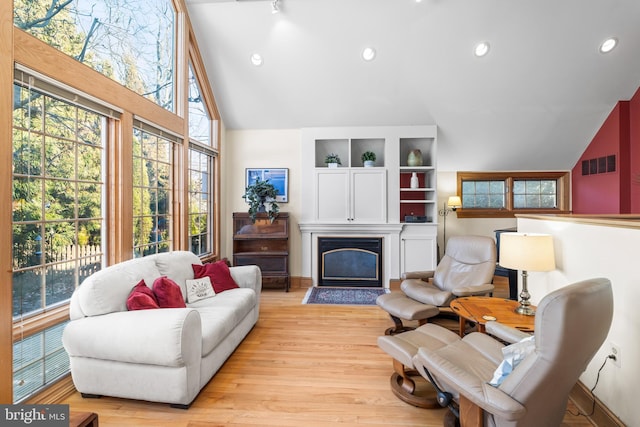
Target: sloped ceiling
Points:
(533, 103)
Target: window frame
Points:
(563, 179)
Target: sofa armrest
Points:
(247, 276)
(164, 337)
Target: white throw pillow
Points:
(513, 355)
(198, 289)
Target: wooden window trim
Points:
(563, 178)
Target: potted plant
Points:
(369, 159)
(257, 194)
(332, 160)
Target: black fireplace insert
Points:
(350, 261)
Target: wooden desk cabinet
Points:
(265, 244)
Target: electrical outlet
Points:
(614, 351)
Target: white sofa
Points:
(160, 355)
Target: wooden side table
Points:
(480, 310)
(83, 419)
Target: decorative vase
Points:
(414, 158)
(369, 163)
(414, 181)
(332, 165)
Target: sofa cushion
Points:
(168, 293)
(177, 266)
(222, 314)
(141, 298)
(198, 289)
(219, 274)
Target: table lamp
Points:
(526, 252)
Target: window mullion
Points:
(509, 193)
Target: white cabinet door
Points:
(418, 248)
(369, 196)
(332, 195)
(351, 195)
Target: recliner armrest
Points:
(468, 291)
(478, 391)
(504, 332)
(418, 275)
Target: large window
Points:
(58, 188)
(152, 192)
(95, 165)
(131, 42)
(503, 194)
(201, 167)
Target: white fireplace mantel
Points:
(390, 234)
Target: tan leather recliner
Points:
(466, 269)
(570, 326)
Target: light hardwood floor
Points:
(302, 365)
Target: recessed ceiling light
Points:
(481, 49)
(256, 59)
(368, 54)
(608, 45)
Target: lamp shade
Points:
(527, 251)
(454, 202)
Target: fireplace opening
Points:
(350, 261)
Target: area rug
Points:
(343, 296)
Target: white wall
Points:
(585, 251)
(260, 149)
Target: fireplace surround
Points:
(350, 261)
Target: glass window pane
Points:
(533, 187)
(27, 245)
(548, 187)
(132, 42)
(59, 158)
(496, 201)
(27, 159)
(519, 201)
(482, 187)
(60, 198)
(27, 292)
(89, 162)
(548, 202)
(518, 187)
(199, 121)
(27, 199)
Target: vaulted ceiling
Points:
(533, 103)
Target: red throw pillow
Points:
(141, 298)
(219, 274)
(168, 293)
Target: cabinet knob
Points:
(264, 248)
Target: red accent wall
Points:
(610, 192)
(634, 152)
